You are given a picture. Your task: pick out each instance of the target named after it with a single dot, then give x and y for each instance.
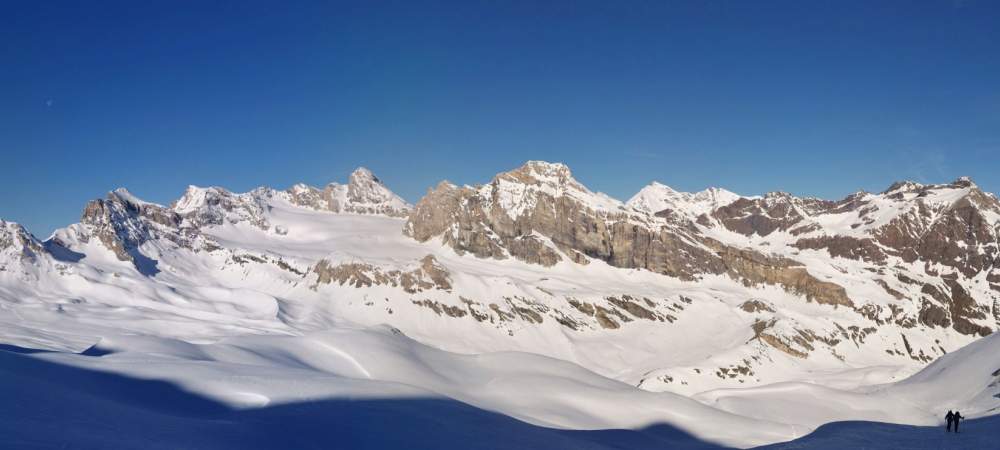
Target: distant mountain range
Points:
(668, 291)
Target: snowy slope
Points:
(657, 197)
(380, 381)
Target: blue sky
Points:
(814, 98)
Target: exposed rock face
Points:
(964, 309)
(122, 223)
(216, 206)
(845, 247)
(754, 268)
(954, 224)
(521, 212)
(777, 211)
(363, 194)
(540, 214)
(957, 236)
(367, 195)
(752, 306)
(17, 246)
(429, 275)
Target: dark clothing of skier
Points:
(958, 417)
(950, 417)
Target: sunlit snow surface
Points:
(369, 388)
(208, 353)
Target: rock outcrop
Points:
(363, 194)
(17, 246)
(123, 223)
(539, 213)
(430, 274)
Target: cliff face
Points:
(540, 214)
(123, 223)
(363, 194)
(17, 247)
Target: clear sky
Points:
(810, 97)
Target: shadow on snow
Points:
(51, 405)
(975, 434)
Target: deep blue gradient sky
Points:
(813, 98)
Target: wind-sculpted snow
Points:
(57, 401)
(775, 314)
(113, 395)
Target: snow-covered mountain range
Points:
(707, 298)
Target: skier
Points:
(958, 417)
(950, 417)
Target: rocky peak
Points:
(520, 190)
(363, 194)
(933, 195)
(542, 172)
(776, 211)
(120, 206)
(778, 197)
(716, 196)
(122, 223)
(16, 241)
(217, 206)
(539, 215)
(126, 197)
(902, 186)
(964, 182)
(362, 176)
(196, 197)
(553, 178)
(364, 189)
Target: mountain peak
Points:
(542, 173)
(656, 197)
(717, 196)
(547, 169)
(902, 186)
(194, 197)
(364, 188)
(518, 187)
(197, 198)
(965, 182)
(12, 229)
(127, 197)
(656, 185)
(545, 166)
(15, 238)
(362, 175)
